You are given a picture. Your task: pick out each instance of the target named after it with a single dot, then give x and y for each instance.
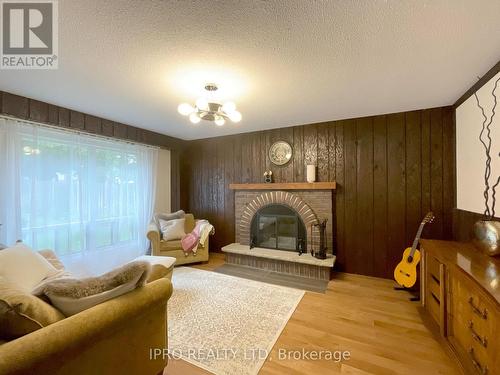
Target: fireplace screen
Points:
(278, 227)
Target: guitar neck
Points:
(417, 238)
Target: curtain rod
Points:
(76, 131)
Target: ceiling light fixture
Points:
(210, 110)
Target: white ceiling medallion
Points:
(206, 109)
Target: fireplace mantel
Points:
(286, 186)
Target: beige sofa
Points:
(114, 337)
(173, 248)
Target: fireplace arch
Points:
(279, 227)
(292, 201)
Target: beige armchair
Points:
(173, 248)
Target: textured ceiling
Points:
(283, 62)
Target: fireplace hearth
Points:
(279, 227)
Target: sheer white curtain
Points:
(90, 199)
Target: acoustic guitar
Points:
(406, 271)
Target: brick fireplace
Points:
(310, 203)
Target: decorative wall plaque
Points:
(280, 153)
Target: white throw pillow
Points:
(24, 267)
(172, 229)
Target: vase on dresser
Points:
(487, 236)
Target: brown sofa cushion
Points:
(22, 313)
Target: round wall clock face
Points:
(280, 153)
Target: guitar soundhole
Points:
(410, 259)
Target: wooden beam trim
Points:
(23, 108)
(480, 83)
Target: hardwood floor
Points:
(382, 330)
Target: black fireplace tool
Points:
(321, 253)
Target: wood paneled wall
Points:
(390, 169)
(34, 110)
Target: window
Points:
(78, 194)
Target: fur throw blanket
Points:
(80, 288)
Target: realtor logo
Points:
(29, 34)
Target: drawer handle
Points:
(482, 340)
(477, 365)
(483, 314)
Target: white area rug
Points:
(225, 324)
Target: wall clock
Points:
(280, 153)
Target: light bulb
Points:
(219, 121)
(194, 118)
(202, 103)
(185, 109)
(229, 107)
(235, 116)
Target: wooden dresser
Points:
(461, 292)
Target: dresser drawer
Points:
(481, 337)
(433, 306)
(473, 325)
(434, 290)
(480, 361)
(484, 330)
(470, 299)
(459, 314)
(433, 267)
(478, 305)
